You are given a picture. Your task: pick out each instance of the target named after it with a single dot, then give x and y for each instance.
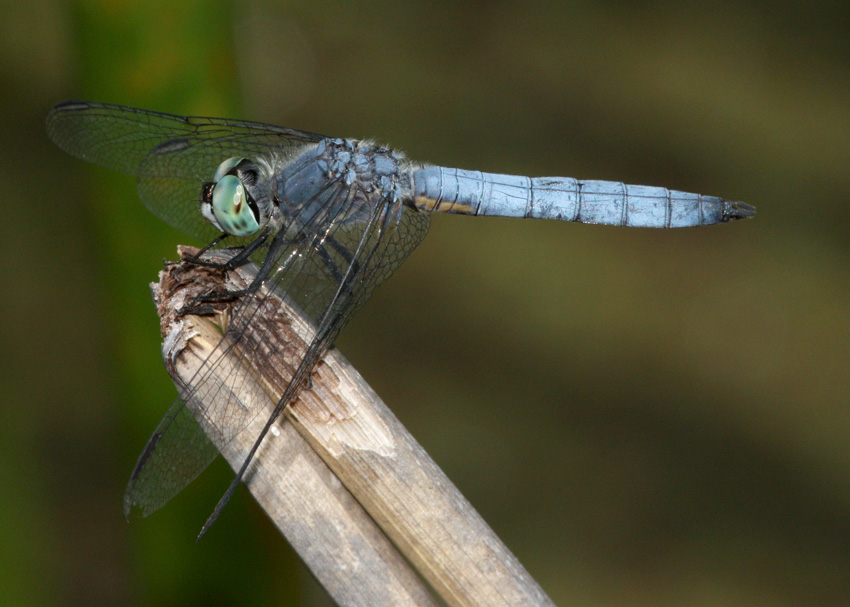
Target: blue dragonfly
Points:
(326, 220)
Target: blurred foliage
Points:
(645, 417)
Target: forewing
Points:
(327, 264)
(172, 156)
(326, 286)
(327, 283)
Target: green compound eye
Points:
(231, 209)
(225, 167)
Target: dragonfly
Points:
(326, 220)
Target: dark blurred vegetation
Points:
(645, 417)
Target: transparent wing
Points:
(177, 441)
(328, 267)
(327, 264)
(171, 155)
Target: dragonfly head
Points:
(227, 203)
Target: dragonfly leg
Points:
(200, 305)
(329, 264)
(242, 256)
(169, 263)
(343, 252)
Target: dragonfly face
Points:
(228, 203)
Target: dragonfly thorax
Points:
(340, 178)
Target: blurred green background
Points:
(644, 417)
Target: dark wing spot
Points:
(171, 146)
